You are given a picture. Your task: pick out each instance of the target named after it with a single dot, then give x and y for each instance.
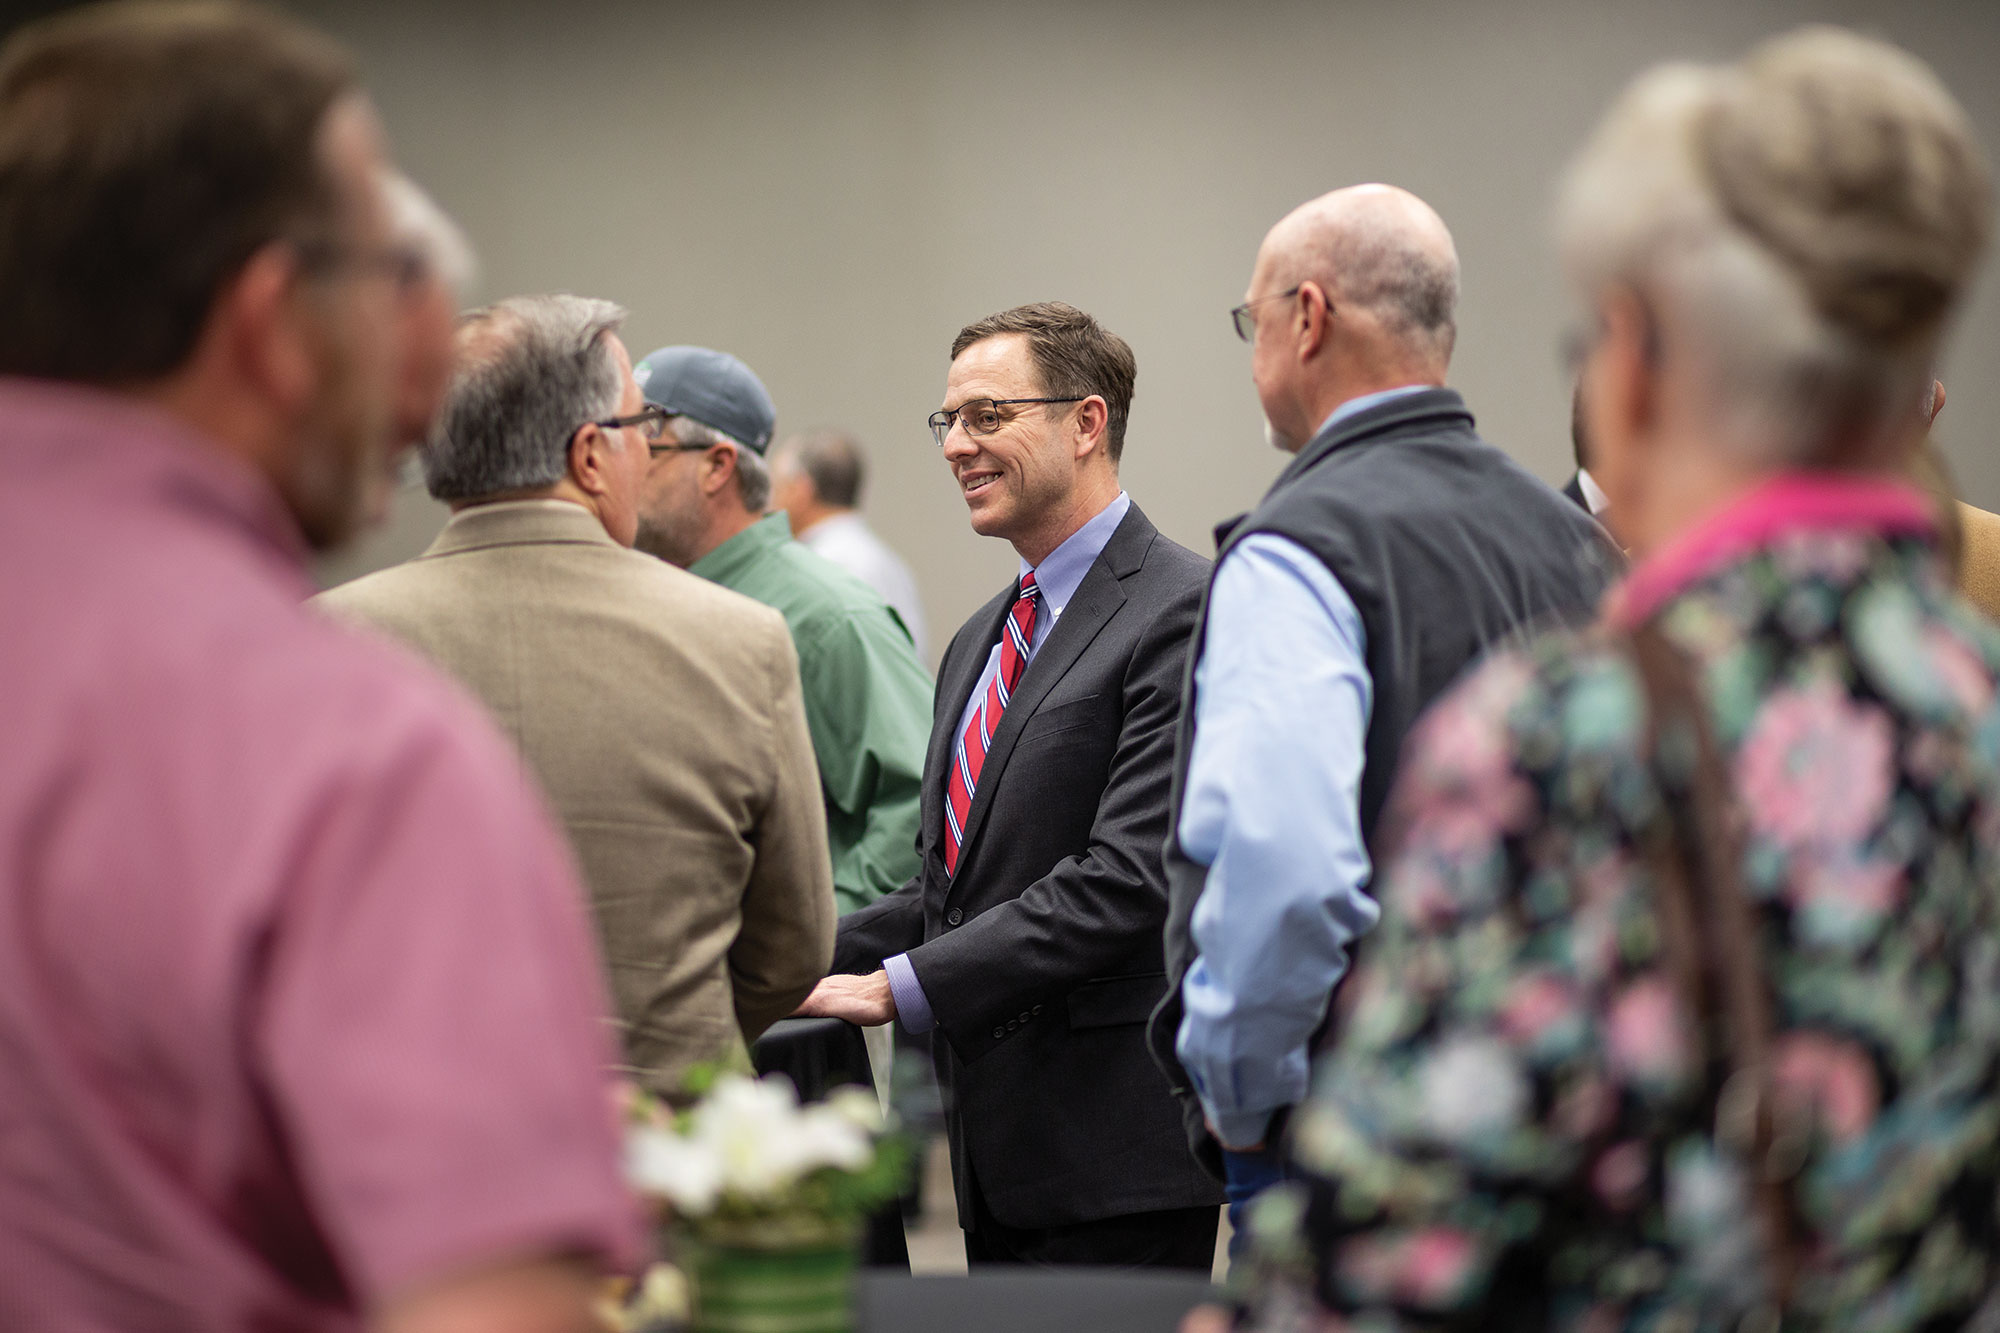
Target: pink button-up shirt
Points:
(298, 1004)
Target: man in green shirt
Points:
(868, 699)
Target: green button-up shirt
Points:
(868, 701)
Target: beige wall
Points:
(830, 190)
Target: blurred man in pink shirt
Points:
(299, 1020)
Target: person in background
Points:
(1682, 1008)
(1029, 942)
(662, 715)
(1394, 549)
(441, 273)
(300, 1011)
(867, 696)
(816, 478)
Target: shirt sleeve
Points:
(430, 1020)
(1282, 700)
(913, 1007)
(868, 700)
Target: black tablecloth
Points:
(1031, 1300)
(819, 1055)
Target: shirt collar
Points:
(1061, 571)
(746, 548)
(1366, 401)
(1789, 502)
(1593, 494)
(847, 520)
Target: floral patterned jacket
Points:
(1507, 1129)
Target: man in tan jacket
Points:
(662, 714)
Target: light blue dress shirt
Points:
(1272, 807)
(1058, 576)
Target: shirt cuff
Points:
(1239, 1129)
(913, 1008)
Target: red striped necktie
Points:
(970, 755)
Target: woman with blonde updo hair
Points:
(1684, 1011)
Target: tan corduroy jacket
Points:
(664, 718)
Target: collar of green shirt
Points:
(727, 562)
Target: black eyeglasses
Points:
(652, 423)
(1246, 323)
(981, 416)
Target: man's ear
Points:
(718, 469)
(589, 452)
(1093, 421)
(1311, 320)
(264, 328)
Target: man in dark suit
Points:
(1030, 939)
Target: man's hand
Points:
(865, 1001)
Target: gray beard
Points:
(656, 540)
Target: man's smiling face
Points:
(1016, 478)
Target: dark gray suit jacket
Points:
(1042, 959)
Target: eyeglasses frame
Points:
(941, 422)
(1240, 313)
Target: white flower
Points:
(661, 1162)
(1469, 1088)
(859, 1106)
(750, 1140)
(827, 1137)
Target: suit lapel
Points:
(1098, 598)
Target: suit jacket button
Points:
(999, 1033)
(953, 917)
(1037, 1009)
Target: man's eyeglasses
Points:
(981, 416)
(1246, 323)
(652, 423)
(401, 262)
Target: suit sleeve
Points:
(1091, 914)
(786, 941)
(892, 924)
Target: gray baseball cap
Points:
(713, 388)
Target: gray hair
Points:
(1410, 288)
(531, 371)
(832, 461)
(419, 223)
(1806, 220)
(753, 475)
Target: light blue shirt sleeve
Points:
(1271, 806)
(913, 1007)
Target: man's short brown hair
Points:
(1074, 357)
(147, 151)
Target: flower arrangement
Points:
(765, 1196)
(748, 1159)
